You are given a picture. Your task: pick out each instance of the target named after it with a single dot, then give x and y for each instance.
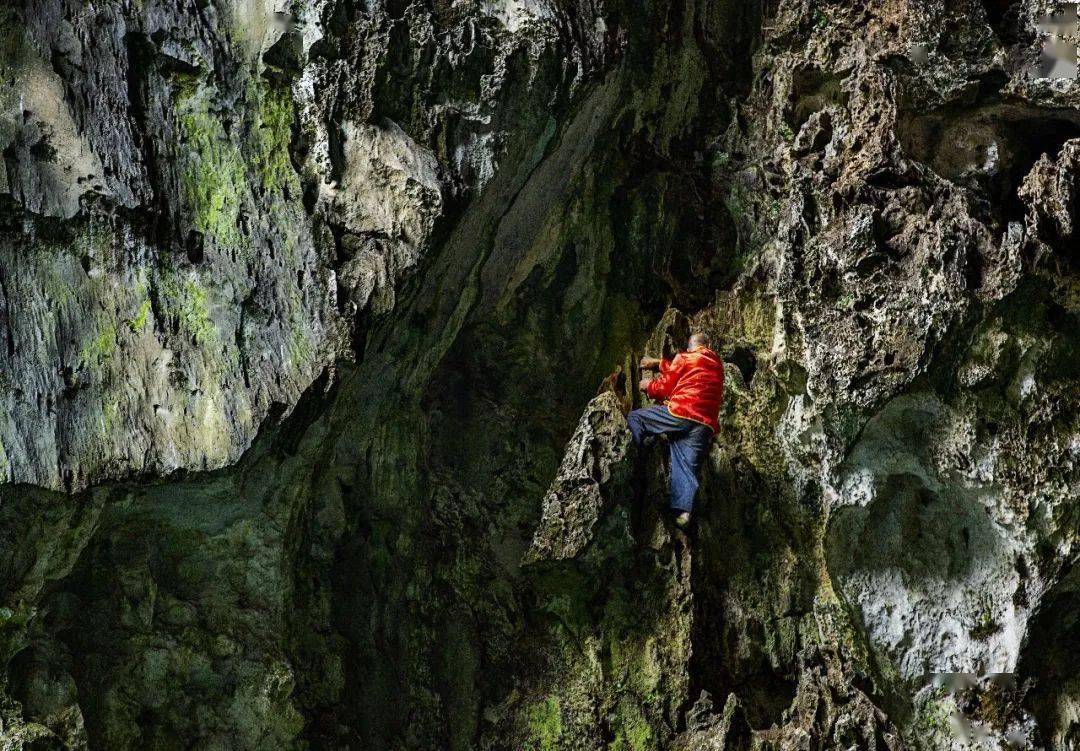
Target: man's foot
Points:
(682, 519)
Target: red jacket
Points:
(692, 385)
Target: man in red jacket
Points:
(692, 389)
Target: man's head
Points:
(699, 339)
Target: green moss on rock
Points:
(141, 318)
(545, 724)
(97, 352)
(633, 732)
(213, 176)
(187, 303)
(270, 139)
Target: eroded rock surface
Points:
(303, 311)
(593, 469)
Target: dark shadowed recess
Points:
(749, 526)
(988, 147)
(1004, 17)
(1051, 661)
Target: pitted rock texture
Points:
(596, 460)
(303, 311)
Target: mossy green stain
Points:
(213, 177)
(189, 306)
(545, 724)
(110, 416)
(185, 85)
(299, 347)
(218, 171)
(141, 318)
(633, 733)
(271, 137)
(934, 714)
(985, 625)
(96, 353)
(195, 314)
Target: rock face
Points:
(303, 308)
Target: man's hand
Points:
(649, 363)
(643, 384)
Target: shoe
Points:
(682, 519)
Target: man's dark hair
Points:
(704, 340)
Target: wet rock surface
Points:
(303, 310)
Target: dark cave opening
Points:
(1050, 661)
(1004, 18)
(746, 361)
(989, 150)
(1030, 138)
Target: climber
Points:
(692, 387)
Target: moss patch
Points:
(271, 137)
(187, 304)
(545, 724)
(300, 351)
(633, 733)
(212, 177)
(141, 318)
(98, 352)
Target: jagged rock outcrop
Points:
(300, 304)
(594, 468)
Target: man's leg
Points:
(687, 452)
(655, 420)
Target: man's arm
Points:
(650, 363)
(660, 388)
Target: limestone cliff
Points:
(304, 308)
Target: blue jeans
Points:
(689, 441)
